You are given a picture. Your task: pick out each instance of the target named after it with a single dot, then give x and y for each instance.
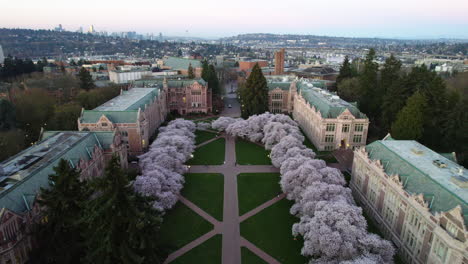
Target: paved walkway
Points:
(229, 228)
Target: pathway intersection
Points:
(229, 228)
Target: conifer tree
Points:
(346, 71)
(370, 100)
(254, 94)
(409, 123)
(86, 80)
(123, 227)
(59, 238)
(213, 81)
(191, 75)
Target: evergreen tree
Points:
(191, 75)
(7, 115)
(455, 127)
(60, 237)
(409, 123)
(390, 73)
(213, 81)
(123, 227)
(370, 101)
(346, 71)
(86, 80)
(390, 82)
(254, 94)
(205, 71)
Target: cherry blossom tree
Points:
(275, 131)
(203, 126)
(222, 123)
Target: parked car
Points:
(230, 106)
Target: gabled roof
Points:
(22, 176)
(181, 63)
(329, 105)
(93, 116)
(132, 99)
(416, 166)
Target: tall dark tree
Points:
(86, 80)
(123, 229)
(7, 115)
(346, 71)
(205, 70)
(60, 238)
(213, 81)
(455, 127)
(371, 99)
(390, 81)
(191, 74)
(254, 94)
(410, 120)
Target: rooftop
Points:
(330, 105)
(22, 176)
(181, 63)
(423, 171)
(132, 99)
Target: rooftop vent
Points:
(439, 163)
(417, 151)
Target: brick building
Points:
(279, 62)
(22, 176)
(135, 114)
(417, 197)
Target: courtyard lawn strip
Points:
(254, 189)
(202, 136)
(248, 257)
(206, 190)
(248, 153)
(209, 252)
(270, 230)
(181, 226)
(209, 154)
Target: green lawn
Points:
(206, 190)
(248, 257)
(180, 226)
(256, 188)
(248, 153)
(209, 252)
(208, 120)
(270, 230)
(202, 136)
(209, 154)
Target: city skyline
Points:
(210, 19)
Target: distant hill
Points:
(27, 43)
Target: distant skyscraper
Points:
(279, 62)
(2, 57)
(160, 36)
(91, 29)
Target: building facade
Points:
(23, 175)
(279, 62)
(184, 96)
(135, 114)
(328, 121)
(417, 197)
(119, 76)
(181, 65)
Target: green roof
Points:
(282, 85)
(22, 176)
(414, 163)
(329, 105)
(92, 116)
(181, 63)
(133, 99)
(158, 83)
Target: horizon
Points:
(210, 20)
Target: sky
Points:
(221, 18)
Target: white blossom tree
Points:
(275, 131)
(222, 123)
(203, 126)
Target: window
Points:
(452, 229)
(357, 138)
(277, 96)
(328, 148)
(440, 249)
(330, 127)
(103, 124)
(345, 128)
(329, 138)
(358, 127)
(196, 92)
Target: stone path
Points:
(229, 227)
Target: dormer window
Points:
(103, 124)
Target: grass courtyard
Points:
(270, 230)
(181, 225)
(207, 253)
(206, 190)
(254, 189)
(248, 153)
(209, 154)
(202, 136)
(248, 257)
